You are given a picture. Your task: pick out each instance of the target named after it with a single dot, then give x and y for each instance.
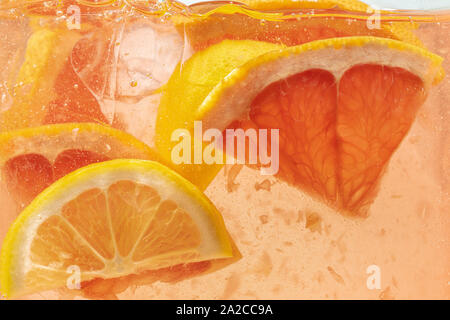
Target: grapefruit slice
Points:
(288, 22)
(47, 89)
(73, 100)
(342, 106)
(47, 51)
(132, 219)
(32, 159)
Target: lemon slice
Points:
(110, 220)
(188, 86)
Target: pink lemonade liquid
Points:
(293, 245)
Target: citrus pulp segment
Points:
(32, 159)
(110, 220)
(46, 53)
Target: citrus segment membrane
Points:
(335, 143)
(303, 107)
(111, 220)
(73, 101)
(47, 88)
(373, 117)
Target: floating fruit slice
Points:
(32, 159)
(111, 220)
(73, 100)
(47, 51)
(289, 22)
(202, 73)
(47, 88)
(342, 106)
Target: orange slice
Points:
(342, 106)
(132, 219)
(32, 159)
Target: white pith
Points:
(234, 94)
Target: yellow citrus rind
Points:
(14, 258)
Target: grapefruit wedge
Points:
(342, 106)
(33, 86)
(47, 89)
(116, 223)
(32, 159)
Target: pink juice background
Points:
(293, 246)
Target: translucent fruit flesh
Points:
(29, 174)
(141, 226)
(336, 149)
(133, 233)
(74, 102)
(336, 138)
(32, 159)
(116, 231)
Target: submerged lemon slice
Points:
(189, 85)
(110, 220)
